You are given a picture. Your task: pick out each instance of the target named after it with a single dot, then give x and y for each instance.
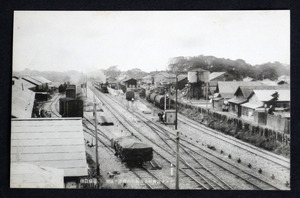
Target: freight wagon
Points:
(129, 95)
(70, 107)
(131, 150)
(159, 100)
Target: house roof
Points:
(238, 100)
(251, 105)
(181, 77)
(129, 79)
(32, 80)
(22, 102)
(214, 75)
(24, 175)
(52, 142)
(247, 90)
(266, 95)
(21, 83)
(227, 89)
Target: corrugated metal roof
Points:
(266, 95)
(214, 75)
(25, 175)
(22, 84)
(228, 88)
(53, 142)
(22, 103)
(41, 79)
(251, 105)
(32, 80)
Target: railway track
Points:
(276, 159)
(54, 107)
(196, 183)
(143, 174)
(279, 160)
(244, 175)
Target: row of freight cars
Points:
(159, 100)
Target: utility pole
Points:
(177, 140)
(96, 146)
(165, 106)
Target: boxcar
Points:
(131, 150)
(70, 107)
(129, 95)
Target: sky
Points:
(89, 40)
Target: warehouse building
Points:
(55, 143)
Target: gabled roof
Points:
(214, 75)
(129, 79)
(51, 142)
(238, 100)
(32, 80)
(227, 89)
(266, 95)
(252, 105)
(22, 102)
(247, 90)
(22, 84)
(181, 77)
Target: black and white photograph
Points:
(152, 100)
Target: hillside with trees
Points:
(237, 69)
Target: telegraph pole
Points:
(177, 140)
(96, 135)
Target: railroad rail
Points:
(264, 185)
(200, 185)
(142, 173)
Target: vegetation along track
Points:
(276, 159)
(279, 160)
(217, 183)
(253, 180)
